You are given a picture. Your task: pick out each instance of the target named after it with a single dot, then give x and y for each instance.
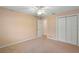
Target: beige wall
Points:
(45, 26)
(51, 25)
(75, 11)
(15, 26)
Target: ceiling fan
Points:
(39, 11)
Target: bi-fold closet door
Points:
(61, 29)
(72, 29)
(67, 29)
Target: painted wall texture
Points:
(15, 26)
(51, 26)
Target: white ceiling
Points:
(46, 10)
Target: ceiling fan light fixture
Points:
(40, 12)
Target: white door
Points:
(67, 29)
(71, 29)
(40, 28)
(61, 29)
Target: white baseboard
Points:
(53, 37)
(19, 41)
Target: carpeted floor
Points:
(42, 45)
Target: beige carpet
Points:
(41, 46)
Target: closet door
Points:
(61, 32)
(39, 28)
(71, 29)
(68, 29)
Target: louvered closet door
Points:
(71, 29)
(61, 29)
